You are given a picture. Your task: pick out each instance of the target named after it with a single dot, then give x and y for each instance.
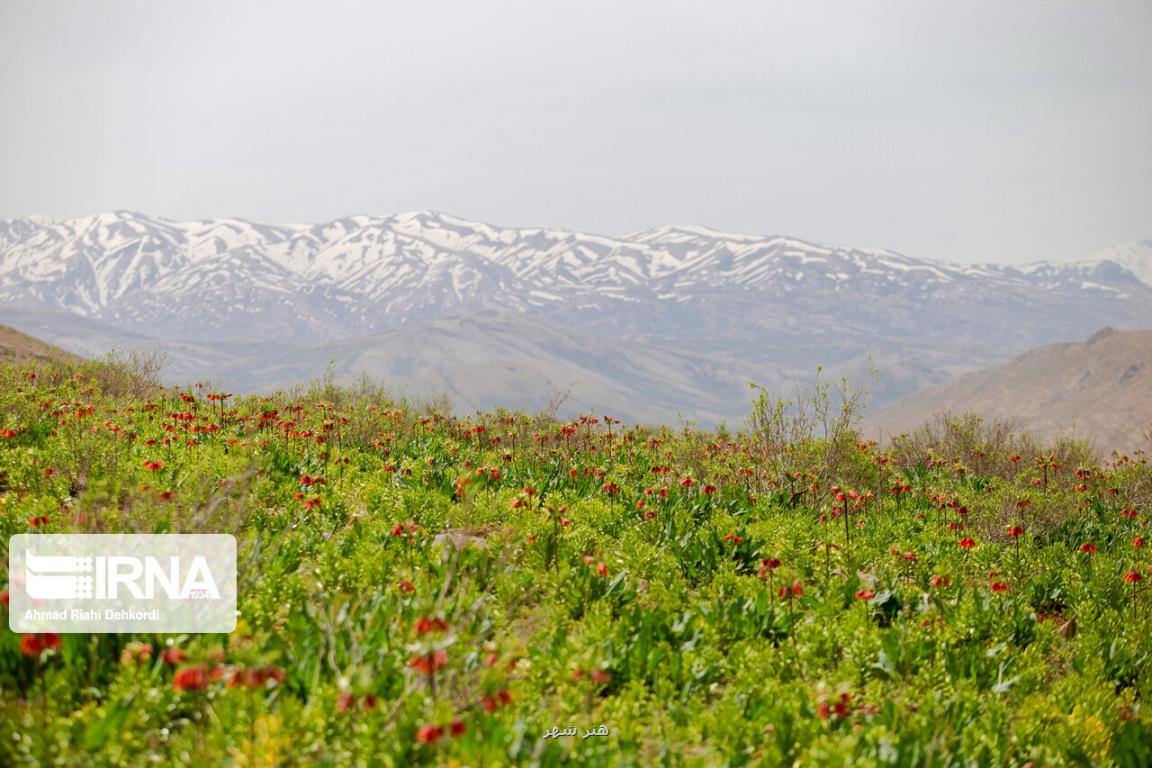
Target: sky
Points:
(966, 130)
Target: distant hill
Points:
(1099, 388)
(21, 346)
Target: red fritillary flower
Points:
(998, 586)
(797, 589)
(457, 728)
(429, 663)
(429, 733)
(939, 581)
(192, 678)
(345, 701)
(1088, 548)
(1138, 542)
(1133, 577)
(602, 570)
(1015, 531)
(32, 645)
(600, 676)
(865, 594)
(967, 543)
(425, 625)
(407, 587)
(174, 656)
(154, 466)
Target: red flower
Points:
(1133, 577)
(600, 676)
(429, 663)
(429, 734)
(998, 586)
(1015, 531)
(193, 678)
(1087, 548)
(32, 645)
(426, 625)
(602, 570)
(865, 594)
(345, 701)
(1138, 542)
(153, 466)
(771, 563)
(493, 702)
(795, 590)
(967, 543)
(939, 581)
(174, 656)
(407, 587)
(457, 728)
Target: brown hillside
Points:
(1099, 388)
(20, 346)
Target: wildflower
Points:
(600, 676)
(457, 728)
(429, 734)
(1138, 542)
(407, 587)
(174, 656)
(967, 543)
(795, 590)
(492, 702)
(136, 653)
(192, 678)
(998, 586)
(602, 570)
(153, 466)
(425, 625)
(939, 581)
(1133, 577)
(429, 663)
(1015, 531)
(33, 645)
(865, 594)
(1088, 548)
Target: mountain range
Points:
(667, 323)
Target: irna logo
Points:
(58, 577)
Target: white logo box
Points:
(122, 582)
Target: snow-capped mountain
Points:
(777, 303)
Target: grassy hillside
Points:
(424, 590)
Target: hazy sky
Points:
(1004, 130)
